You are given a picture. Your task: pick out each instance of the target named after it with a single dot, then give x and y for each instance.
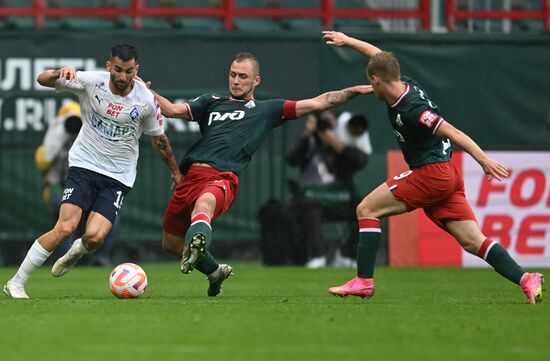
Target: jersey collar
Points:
(240, 100)
(402, 95)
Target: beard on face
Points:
(120, 85)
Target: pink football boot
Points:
(362, 287)
(531, 284)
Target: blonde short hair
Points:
(385, 65)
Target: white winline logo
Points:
(216, 116)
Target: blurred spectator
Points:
(52, 158)
(329, 154)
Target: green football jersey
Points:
(415, 119)
(232, 130)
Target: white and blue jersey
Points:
(108, 142)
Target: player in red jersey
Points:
(433, 183)
(232, 129)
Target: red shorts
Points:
(197, 181)
(438, 188)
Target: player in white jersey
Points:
(112, 124)
(116, 110)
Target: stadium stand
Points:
(199, 23)
(300, 23)
(266, 16)
(504, 16)
(255, 24)
(354, 25)
(244, 15)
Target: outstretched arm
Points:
(167, 108)
(491, 167)
(329, 100)
(336, 38)
(49, 77)
(170, 109)
(161, 144)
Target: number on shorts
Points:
(119, 200)
(402, 175)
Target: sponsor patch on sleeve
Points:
(428, 118)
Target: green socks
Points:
(200, 223)
(494, 254)
(369, 239)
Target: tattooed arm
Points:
(329, 100)
(161, 144)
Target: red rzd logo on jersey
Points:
(428, 118)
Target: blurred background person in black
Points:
(329, 154)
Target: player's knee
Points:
(64, 230)
(206, 204)
(363, 210)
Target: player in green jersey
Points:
(232, 129)
(433, 183)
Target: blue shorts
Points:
(95, 192)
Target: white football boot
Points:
(68, 260)
(13, 290)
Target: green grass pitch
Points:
(274, 314)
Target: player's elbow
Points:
(43, 79)
(376, 51)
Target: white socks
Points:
(36, 256)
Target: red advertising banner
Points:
(514, 212)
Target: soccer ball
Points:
(128, 280)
